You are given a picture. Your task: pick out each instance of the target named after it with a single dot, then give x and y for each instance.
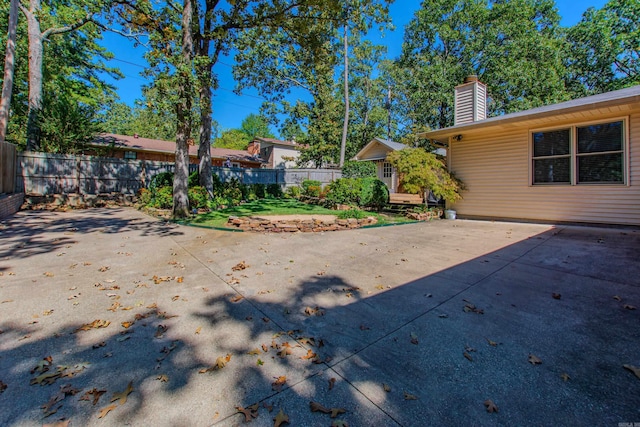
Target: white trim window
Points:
(387, 170)
(591, 153)
(130, 155)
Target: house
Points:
(138, 148)
(376, 151)
(277, 154)
(575, 161)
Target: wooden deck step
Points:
(405, 199)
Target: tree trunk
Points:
(35, 73)
(9, 61)
(204, 150)
(183, 113)
(345, 126)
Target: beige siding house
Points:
(576, 161)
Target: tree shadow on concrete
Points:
(233, 350)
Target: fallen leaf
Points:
(198, 330)
(491, 407)
(408, 396)
(556, 296)
(104, 268)
(310, 355)
(93, 395)
(617, 298)
(629, 307)
(122, 396)
(534, 360)
(162, 378)
(279, 383)
(386, 387)
(491, 343)
(222, 361)
(339, 423)
(633, 369)
(332, 382)
(265, 348)
(43, 365)
(255, 351)
(127, 325)
(94, 325)
(414, 338)
(179, 279)
(565, 377)
(248, 413)
(467, 356)
(106, 410)
(48, 274)
(268, 407)
(240, 266)
(175, 298)
(364, 328)
(3, 387)
(160, 330)
(237, 298)
(280, 419)
(311, 311)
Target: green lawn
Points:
(277, 207)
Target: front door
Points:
(386, 174)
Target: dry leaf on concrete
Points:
(491, 407)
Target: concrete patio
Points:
(408, 325)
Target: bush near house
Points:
(311, 188)
(354, 169)
(361, 192)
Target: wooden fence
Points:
(46, 173)
(8, 156)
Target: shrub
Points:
(194, 179)
(275, 191)
(294, 192)
(163, 179)
(373, 193)
(344, 191)
(198, 197)
(355, 169)
(352, 213)
(162, 198)
(311, 188)
(258, 191)
(144, 196)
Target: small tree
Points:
(420, 171)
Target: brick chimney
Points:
(470, 101)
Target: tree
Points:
(255, 125)
(420, 171)
(497, 40)
(234, 139)
(604, 49)
(9, 60)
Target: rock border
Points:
(311, 225)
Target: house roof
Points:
(276, 141)
(617, 97)
(391, 145)
(160, 146)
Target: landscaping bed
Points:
(294, 223)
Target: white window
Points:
(581, 154)
(387, 170)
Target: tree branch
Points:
(61, 30)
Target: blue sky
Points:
(230, 109)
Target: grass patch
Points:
(278, 207)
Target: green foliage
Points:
(234, 139)
(294, 192)
(254, 125)
(163, 179)
(373, 193)
(66, 126)
(162, 198)
(355, 169)
(344, 191)
(258, 191)
(194, 179)
(311, 188)
(604, 48)
(275, 191)
(352, 213)
(420, 171)
(198, 197)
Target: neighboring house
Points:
(137, 148)
(376, 151)
(576, 161)
(275, 153)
